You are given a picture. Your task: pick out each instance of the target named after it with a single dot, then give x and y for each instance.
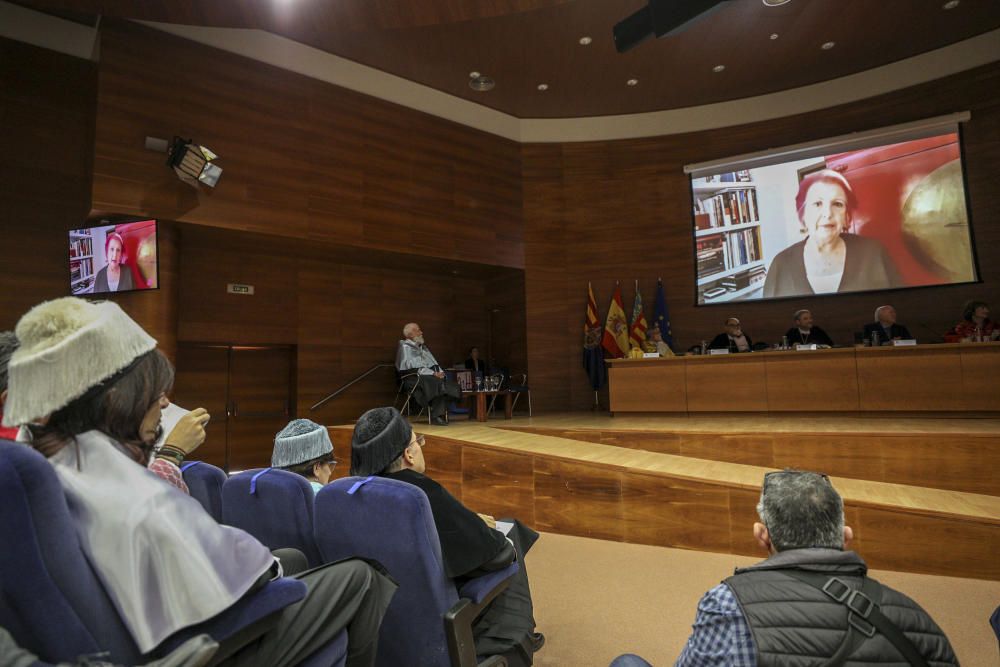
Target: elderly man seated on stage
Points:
(885, 326)
(416, 365)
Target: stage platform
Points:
(921, 494)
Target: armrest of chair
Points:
(476, 590)
(474, 596)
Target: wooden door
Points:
(202, 381)
(248, 392)
(260, 402)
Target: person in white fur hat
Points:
(99, 381)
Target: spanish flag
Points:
(615, 341)
(637, 334)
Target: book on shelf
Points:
(731, 206)
(81, 247)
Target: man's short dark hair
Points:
(801, 509)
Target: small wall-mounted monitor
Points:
(109, 258)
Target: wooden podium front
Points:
(954, 378)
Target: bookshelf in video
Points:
(728, 251)
(81, 260)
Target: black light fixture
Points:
(659, 18)
(193, 163)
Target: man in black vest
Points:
(777, 612)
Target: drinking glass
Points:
(479, 383)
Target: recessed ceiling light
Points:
(828, 45)
(543, 86)
(632, 82)
(774, 36)
(482, 83)
(718, 68)
(775, 3)
(585, 41)
(473, 75)
(951, 4)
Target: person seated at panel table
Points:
(733, 338)
(830, 258)
(886, 327)
(385, 444)
(656, 344)
(975, 325)
(475, 364)
(805, 333)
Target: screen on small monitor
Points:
(113, 258)
(883, 217)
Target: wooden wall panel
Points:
(301, 158)
(685, 514)
(498, 483)
(47, 116)
(955, 461)
(608, 211)
(578, 499)
(345, 317)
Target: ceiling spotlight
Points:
(718, 68)
(585, 41)
(951, 4)
(828, 45)
(543, 86)
(774, 36)
(193, 163)
(775, 3)
(632, 82)
(473, 75)
(482, 83)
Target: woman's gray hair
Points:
(8, 343)
(801, 509)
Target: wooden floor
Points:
(693, 482)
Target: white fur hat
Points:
(68, 345)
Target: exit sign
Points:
(236, 288)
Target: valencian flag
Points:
(661, 317)
(615, 341)
(637, 333)
(593, 354)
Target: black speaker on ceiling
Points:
(659, 18)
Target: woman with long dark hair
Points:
(89, 383)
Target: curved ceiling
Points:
(524, 43)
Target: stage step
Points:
(632, 495)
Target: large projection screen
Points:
(891, 214)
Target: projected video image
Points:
(113, 258)
(878, 218)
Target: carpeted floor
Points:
(595, 599)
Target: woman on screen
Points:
(113, 278)
(829, 259)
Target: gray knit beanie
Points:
(380, 437)
(302, 440)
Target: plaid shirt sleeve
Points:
(169, 473)
(720, 635)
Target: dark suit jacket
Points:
(470, 365)
(896, 331)
(722, 342)
(816, 335)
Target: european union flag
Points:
(661, 317)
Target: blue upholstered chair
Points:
(52, 602)
(429, 622)
(205, 483)
(995, 622)
(275, 506)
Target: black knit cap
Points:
(380, 437)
